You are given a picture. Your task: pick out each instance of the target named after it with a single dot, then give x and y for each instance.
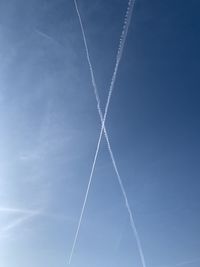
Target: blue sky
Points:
(49, 127)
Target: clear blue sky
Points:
(49, 127)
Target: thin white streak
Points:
(19, 221)
(46, 36)
(183, 263)
(27, 214)
(30, 212)
(132, 222)
(16, 210)
(103, 129)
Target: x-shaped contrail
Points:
(103, 128)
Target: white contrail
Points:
(103, 129)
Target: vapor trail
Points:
(46, 36)
(16, 210)
(18, 221)
(103, 128)
(183, 263)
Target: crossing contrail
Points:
(103, 128)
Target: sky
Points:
(49, 128)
